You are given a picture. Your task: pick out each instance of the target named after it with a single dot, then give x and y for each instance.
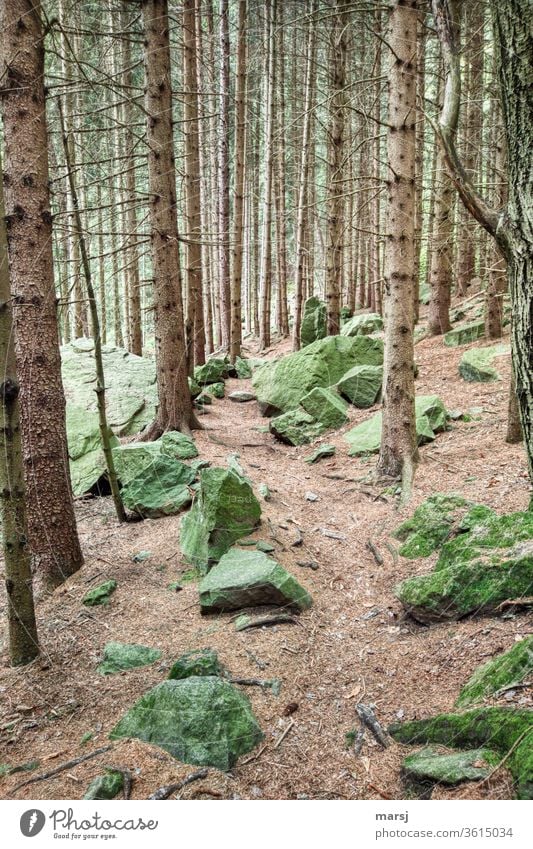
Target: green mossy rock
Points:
(321, 453)
(224, 510)
(505, 670)
(131, 390)
(475, 572)
(328, 408)
(240, 396)
(160, 489)
(464, 334)
(130, 460)
(196, 663)
(121, 656)
(498, 729)
(215, 389)
(199, 720)
(346, 313)
(245, 578)
(431, 418)
(177, 445)
(313, 324)
(361, 385)
(437, 520)
(296, 427)
(100, 594)
(476, 363)
(204, 398)
(106, 786)
(243, 368)
(362, 325)
(213, 371)
(281, 384)
(86, 457)
(432, 766)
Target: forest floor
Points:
(355, 644)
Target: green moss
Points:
(215, 389)
(313, 324)
(326, 407)
(296, 427)
(121, 656)
(198, 662)
(100, 594)
(105, 786)
(496, 728)
(435, 521)
(476, 363)
(433, 766)
(504, 670)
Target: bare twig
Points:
(67, 765)
(167, 791)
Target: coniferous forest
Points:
(266, 344)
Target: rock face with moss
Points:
(121, 656)
(431, 418)
(160, 489)
(361, 385)
(198, 662)
(326, 407)
(431, 766)
(362, 325)
(464, 334)
(476, 366)
(100, 594)
(86, 457)
(106, 786)
(199, 720)
(224, 510)
(296, 427)
(246, 578)
(313, 324)
(503, 671)
(497, 729)
(438, 519)
(475, 572)
(212, 371)
(281, 384)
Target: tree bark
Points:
(223, 176)
(238, 208)
(265, 285)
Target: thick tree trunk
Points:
(398, 454)
(175, 410)
(51, 524)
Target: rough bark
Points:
(223, 175)
(238, 207)
(265, 284)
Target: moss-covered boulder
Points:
(245, 578)
(281, 384)
(100, 594)
(476, 366)
(243, 368)
(438, 519)
(475, 571)
(361, 385)
(86, 457)
(121, 656)
(134, 458)
(106, 786)
(295, 427)
(433, 766)
(431, 418)
(313, 324)
(497, 729)
(503, 671)
(362, 325)
(161, 488)
(321, 453)
(199, 720)
(224, 510)
(240, 396)
(197, 663)
(213, 371)
(464, 334)
(215, 389)
(326, 407)
(178, 445)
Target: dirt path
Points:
(353, 645)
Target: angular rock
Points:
(296, 427)
(464, 334)
(213, 371)
(199, 720)
(225, 509)
(326, 407)
(321, 453)
(242, 396)
(432, 766)
(438, 519)
(431, 418)
(503, 671)
(130, 460)
(177, 445)
(86, 457)
(361, 385)
(313, 324)
(362, 325)
(160, 488)
(197, 663)
(106, 786)
(281, 384)
(215, 389)
(266, 547)
(476, 366)
(121, 656)
(346, 313)
(243, 368)
(204, 398)
(264, 491)
(245, 578)
(100, 594)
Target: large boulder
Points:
(86, 457)
(503, 671)
(326, 407)
(295, 427)
(199, 720)
(438, 519)
(476, 366)
(361, 385)
(224, 510)
(161, 488)
(362, 325)
(213, 371)
(464, 334)
(313, 325)
(281, 384)
(431, 418)
(121, 656)
(475, 571)
(246, 578)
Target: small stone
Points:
(216, 390)
(432, 766)
(121, 656)
(100, 594)
(196, 663)
(140, 556)
(106, 786)
(321, 453)
(264, 491)
(464, 334)
(266, 547)
(308, 564)
(311, 496)
(242, 396)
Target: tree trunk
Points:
(238, 208)
(51, 524)
(440, 274)
(223, 176)
(175, 410)
(265, 286)
(399, 453)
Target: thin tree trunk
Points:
(265, 286)
(223, 175)
(238, 208)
